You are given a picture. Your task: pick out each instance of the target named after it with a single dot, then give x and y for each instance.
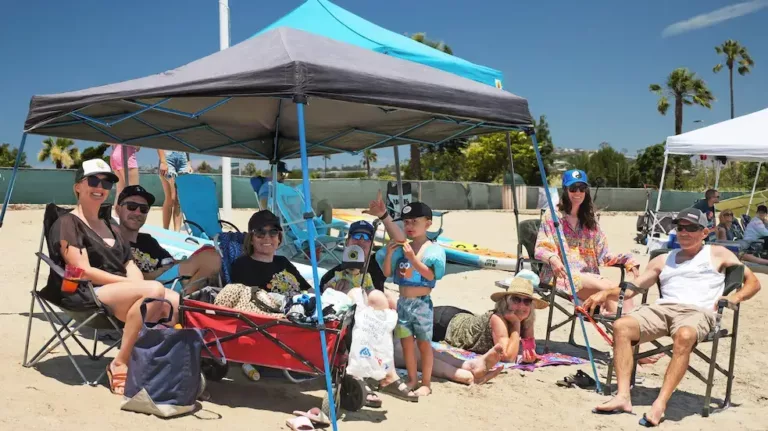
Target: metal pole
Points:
(226, 162)
(754, 185)
(514, 195)
(308, 216)
(12, 182)
(717, 173)
(399, 178)
(658, 199)
(576, 301)
(124, 150)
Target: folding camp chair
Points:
(256, 183)
(527, 235)
(93, 315)
(734, 280)
(395, 207)
(290, 204)
(200, 206)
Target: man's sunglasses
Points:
(518, 300)
(94, 181)
(264, 232)
(361, 236)
(689, 227)
(578, 188)
(133, 206)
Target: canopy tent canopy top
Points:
(743, 138)
(237, 103)
(327, 19)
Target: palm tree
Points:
(326, 157)
(61, 152)
(369, 156)
(415, 164)
(686, 89)
(735, 53)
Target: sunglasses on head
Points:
(361, 236)
(133, 206)
(689, 227)
(261, 233)
(94, 181)
(519, 299)
(578, 188)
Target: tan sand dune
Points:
(50, 397)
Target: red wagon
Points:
(256, 339)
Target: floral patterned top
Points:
(586, 250)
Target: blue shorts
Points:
(415, 318)
(177, 164)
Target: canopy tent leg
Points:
(271, 204)
(658, 200)
(226, 162)
(514, 196)
(124, 150)
(399, 177)
(308, 216)
(754, 185)
(12, 182)
(577, 302)
(717, 173)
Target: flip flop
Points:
(315, 415)
(648, 424)
(611, 412)
(394, 389)
(300, 423)
(116, 381)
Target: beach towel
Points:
(545, 360)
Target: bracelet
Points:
(384, 217)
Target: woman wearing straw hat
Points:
(495, 334)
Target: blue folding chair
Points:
(256, 183)
(199, 205)
(290, 204)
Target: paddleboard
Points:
(458, 252)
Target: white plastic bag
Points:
(372, 353)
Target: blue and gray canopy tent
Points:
(285, 93)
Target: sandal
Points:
(580, 379)
(315, 415)
(116, 381)
(399, 390)
(372, 400)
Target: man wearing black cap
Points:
(692, 284)
(153, 260)
(361, 233)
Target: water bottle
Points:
(672, 241)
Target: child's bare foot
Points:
(489, 375)
(423, 391)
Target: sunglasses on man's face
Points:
(361, 236)
(94, 181)
(578, 188)
(261, 233)
(133, 206)
(689, 227)
(518, 300)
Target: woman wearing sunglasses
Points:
(729, 230)
(81, 239)
(584, 242)
(259, 266)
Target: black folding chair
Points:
(92, 314)
(734, 280)
(527, 235)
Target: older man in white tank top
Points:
(692, 282)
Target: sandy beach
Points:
(50, 396)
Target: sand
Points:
(50, 396)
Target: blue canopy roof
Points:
(326, 19)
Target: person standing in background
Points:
(172, 164)
(116, 162)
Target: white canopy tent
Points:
(743, 138)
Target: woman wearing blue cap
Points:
(585, 243)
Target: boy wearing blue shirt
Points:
(415, 267)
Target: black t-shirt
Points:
(279, 275)
(100, 255)
(377, 276)
(147, 253)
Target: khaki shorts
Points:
(660, 320)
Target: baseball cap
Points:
(416, 210)
(95, 167)
(263, 218)
(692, 215)
(353, 257)
(282, 168)
(361, 226)
(136, 190)
(574, 176)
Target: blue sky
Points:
(586, 65)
